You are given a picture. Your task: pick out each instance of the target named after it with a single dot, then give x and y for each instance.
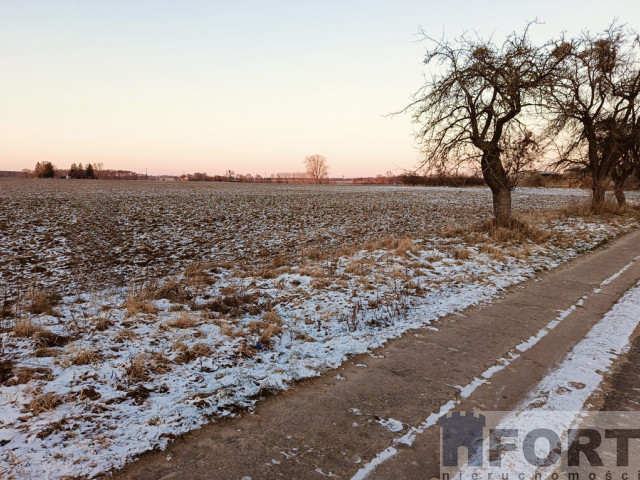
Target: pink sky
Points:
(251, 86)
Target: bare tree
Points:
(629, 130)
(593, 103)
(473, 105)
(628, 159)
(520, 151)
(317, 167)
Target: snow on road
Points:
(562, 393)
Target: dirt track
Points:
(331, 425)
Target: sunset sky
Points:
(253, 86)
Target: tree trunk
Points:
(619, 176)
(598, 190)
(618, 190)
(495, 176)
(502, 205)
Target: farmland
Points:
(77, 235)
(135, 311)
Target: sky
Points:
(170, 87)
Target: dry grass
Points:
(42, 338)
(354, 267)
(187, 354)
(196, 275)
(52, 428)
(159, 364)
(136, 370)
(517, 230)
(26, 329)
(495, 253)
(388, 243)
(256, 327)
(321, 283)
(267, 273)
(525, 226)
(452, 231)
(44, 403)
(234, 305)
(406, 245)
(7, 309)
(228, 291)
(246, 350)
(184, 321)
(43, 301)
(125, 335)
(267, 328)
(304, 336)
(101, 324)
(46, 352)
(6, 370)
(268, 333)
(584, 209)
(360, 266)
(26, 374)
(228, 330)
(256, 224)
(521, 253)
(136, 305)
(201, 350)
(87, 357)
(400, 245)
(88, 393)
(461, 254)
(272, 317)
(316, 254)
(279, 261)
(173, 291)
(580, 209)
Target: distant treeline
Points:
(441, 180)
(570, 178)
(48, 170)
(12, 174)
(301, 178)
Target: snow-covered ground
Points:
(107, 374)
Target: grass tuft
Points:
(44, 403)
(6, 370)
(42, 301)
(189, 354)
(136, 305)
(172, 291)
(461, 254)
(125, 335)
(184, 321)
(87, 357)
(136, 370)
